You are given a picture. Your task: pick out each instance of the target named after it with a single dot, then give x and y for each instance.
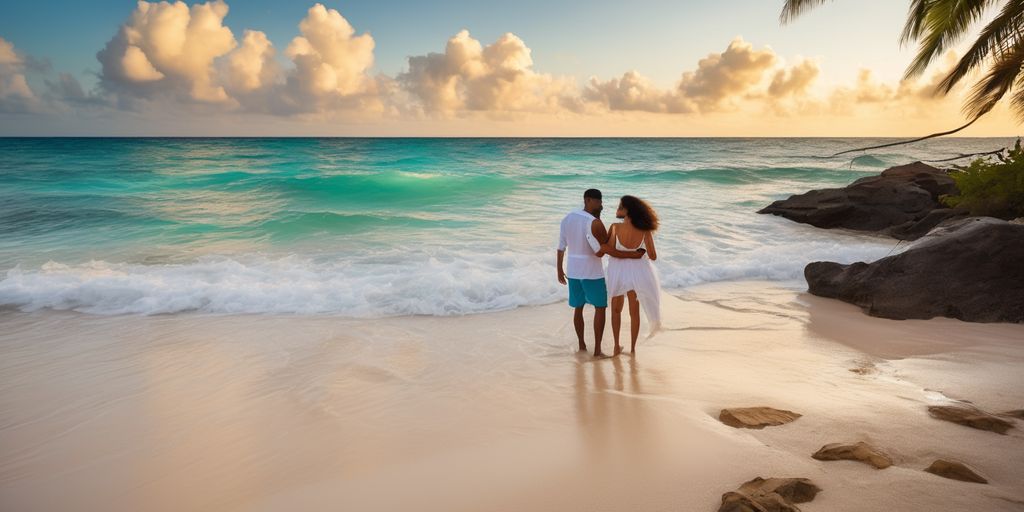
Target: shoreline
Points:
(495, 411)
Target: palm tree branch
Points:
(916, 14)
(1001, 33)
(794, 8)
(939, 24)
(911, 141)
(1000, 79)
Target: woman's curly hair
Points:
(640, 213)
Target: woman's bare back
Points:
(628, 235)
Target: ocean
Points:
(396, 226)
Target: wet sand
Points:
(497, 411)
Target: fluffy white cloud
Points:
(8, 57)
(722, 76)
(498, 77)
(795, 80)
(15, 94)
(330, 60)
(719, 80)
(633, 91)
(169, 48)
(169, 54)
(170, 51)
(252, 65)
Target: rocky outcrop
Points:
(756, 417)
(970, 417)
(772, 494)
(902, 202)
(968, 269)
(861, 452)
(955, 471)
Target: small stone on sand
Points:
(970, 418)
(756, 417)
(772, 494)
(955, 471)
(860, 451)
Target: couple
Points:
(630, 244)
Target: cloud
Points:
(633, 91)
(498, 77)
(169, 49)
(15, 93)
(170, 52)
(722, 76)
(719, 80)
(795, 80)
(330, 66)
(329, 59)
(171, 60)
(251, 66)
(8, 57)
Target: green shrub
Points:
(993, 188)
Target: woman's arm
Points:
(609, 247)
(652, 253)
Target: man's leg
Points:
(599, 314)
(577, 321)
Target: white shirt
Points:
(574, 232)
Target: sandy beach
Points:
(497, 411)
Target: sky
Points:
(465, 68)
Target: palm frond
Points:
(1017, 100)
(794, 8)
(1002, 32)
(915, 20)
(999, 80)
(939, 25)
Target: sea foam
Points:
(444, 283)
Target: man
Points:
(585, 273)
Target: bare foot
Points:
(583, 347)
(617, 351)
(599, 354)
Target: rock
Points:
(969, 269)
(955, 471)
(902, 202)
(860, 451)
(756, 417)
(769, 495)
(1019, 414)
(970, 418)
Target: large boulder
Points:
(902, 202)
(970, 269)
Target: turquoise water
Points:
(369, 227)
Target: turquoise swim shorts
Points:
(588, 291)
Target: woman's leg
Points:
(617, 303)
(634, 320)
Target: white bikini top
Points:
(619, 246)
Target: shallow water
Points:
(371, 227)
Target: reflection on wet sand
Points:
(228, 413)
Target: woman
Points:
(633, 279)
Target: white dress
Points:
(636, 275)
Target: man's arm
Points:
(601, 234)
(561, 273)
(562, 243)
